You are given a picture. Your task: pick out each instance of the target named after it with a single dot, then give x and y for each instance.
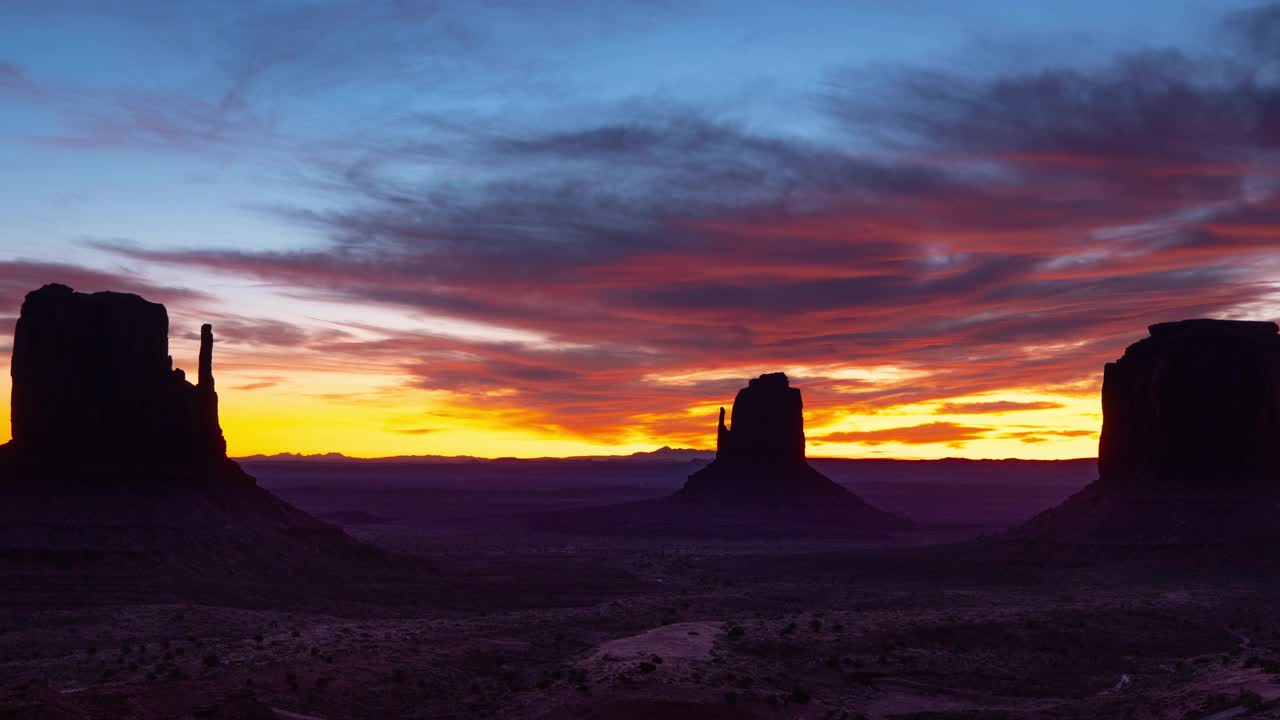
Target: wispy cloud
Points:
(994, 407)
(927, 434)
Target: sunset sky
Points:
(554, 228)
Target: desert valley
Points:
(161, 579)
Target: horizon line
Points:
(639, 455)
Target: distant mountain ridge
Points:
(662, 454)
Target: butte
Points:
(759, 486)
(117, 478)
(1189, 448)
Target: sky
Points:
(542, 228)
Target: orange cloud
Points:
(926, 434)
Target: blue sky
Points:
(246, 92)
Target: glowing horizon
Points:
(318, 411)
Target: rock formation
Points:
(760, 464)
(94, 384)
(1196, 404)
(1191, 427)
(768, 424)
(118, 465)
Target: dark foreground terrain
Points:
(507, 624)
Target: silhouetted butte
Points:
(1188, 453)
(760, 465)
(94, 386)
(118, 465)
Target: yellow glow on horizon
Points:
(378, 415)
(1069, 430)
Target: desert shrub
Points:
(736, 632)
(731, 698)
(647, 667)
(799, 696)
(211, 660)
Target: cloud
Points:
(416, 431)
(257, 385)
(268, 333)
(11, 75)
(994, 407)
(19, 277)
(926, 434)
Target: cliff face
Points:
(93, 384)
(768, 424)
(1191, 424)
(1195, 405)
